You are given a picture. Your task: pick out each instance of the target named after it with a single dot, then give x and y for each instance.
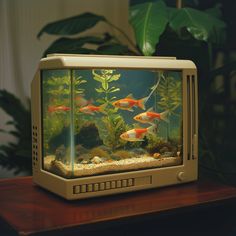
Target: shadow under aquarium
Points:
(109, 124)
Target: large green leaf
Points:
(171, 3)
(72, 25)
(149, 21)
(202, 26)
(13, 107)
(73, 45)
(10, 157)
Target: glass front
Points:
(104, 121)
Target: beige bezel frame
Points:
(142, 179)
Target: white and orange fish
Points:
(149, 116)
(91, 109)
(135, 135)
(58, 108)
(129, 102)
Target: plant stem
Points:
(125, 35)
(179, 4)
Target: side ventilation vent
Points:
(191, 117)
(34, 145)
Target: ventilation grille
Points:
(102, 186)
(34, 145)
(191, 117)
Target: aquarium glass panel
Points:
(57, 122)
(104, 121)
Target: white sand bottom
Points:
(110, 166)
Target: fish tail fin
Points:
(164, 116)
(102, 108)
(152, 129)
(141, 103)
(50, 109)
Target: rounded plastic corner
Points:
(52, 62)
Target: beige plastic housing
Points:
(107, 184)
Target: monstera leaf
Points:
(149, 21)
(72, 25)
(201, 25)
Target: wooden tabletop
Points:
(28, 209)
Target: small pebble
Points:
(156, 155)
(96, 160)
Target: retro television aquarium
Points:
(110, 124)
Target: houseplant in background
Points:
(17, 155)
(186, 30)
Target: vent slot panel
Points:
(113, 184)
(188, 117)
(108, 185)
(34, 145)
(191, 117)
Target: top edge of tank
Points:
(59, 61)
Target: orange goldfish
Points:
(135, 135)
(149, 116)
(129, 102)
(58, 108)
(91, 110)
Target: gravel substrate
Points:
(134, 163)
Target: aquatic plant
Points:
(112, 124)
(122, 154)
(62, 85)
(153, 143)
(110, 127)
(52, 128)
(159, 145)
(105, 77)
(97, 151)
(169, 91)
(57, 92)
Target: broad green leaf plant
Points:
(16, 155)
(150, 21)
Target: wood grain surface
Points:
(29, 210)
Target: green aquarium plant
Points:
(112, 124)
(105, 77)
(169, 91)
(57, 93)
(16, 155)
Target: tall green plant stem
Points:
(125, 35)
(179, 4)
